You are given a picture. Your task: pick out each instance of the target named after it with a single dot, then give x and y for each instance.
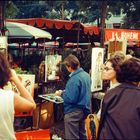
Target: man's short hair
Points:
(72, 61)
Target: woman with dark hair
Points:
(112, 66)
(120, 114)
(10, 101)
(110, 69)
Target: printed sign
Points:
(3, 42)
(52, 67)
(96, 63)
(28, 80)
(130, 35)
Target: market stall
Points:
(114, 39)
(48, 111)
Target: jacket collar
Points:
(76, 71)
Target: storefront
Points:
(132, 37)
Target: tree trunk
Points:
(62, 11)
(2, 8)
(103, 17)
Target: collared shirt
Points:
(77, 91)
(114, 85)
(71, 74)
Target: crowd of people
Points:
(119, 115)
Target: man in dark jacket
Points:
(76, 99)
(120, 115)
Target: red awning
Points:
(58, 24)
(90, 30)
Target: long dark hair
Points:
(5, 72)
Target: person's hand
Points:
(14, 78)
(58, 92)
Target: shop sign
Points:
(127, 35)
(116, 34)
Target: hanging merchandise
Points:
(3, 42)
(52, 67)
(96, 63)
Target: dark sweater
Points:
(120, 116)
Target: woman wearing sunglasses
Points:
(120, 114)
(109, 70)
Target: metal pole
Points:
(78, 36)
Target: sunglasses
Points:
(106, 68)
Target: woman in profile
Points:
(109, 70)
(11, 102)
(120, 114)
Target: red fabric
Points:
(33, 135)
(139, 43)
(40, 22)
(58, 24)
(91, 30)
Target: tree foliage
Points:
(132, 11)
(83, 11)
(31, 9)
(131, 8)
(11, 10)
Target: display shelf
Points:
(52, 98)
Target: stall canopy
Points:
(21, 32)
(132, 36)
(69, 31)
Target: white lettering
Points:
(122, 35)
(129, 35)
(125, 35)
(113, 36)
(116, 36)
(135, 36)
